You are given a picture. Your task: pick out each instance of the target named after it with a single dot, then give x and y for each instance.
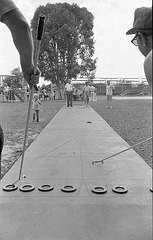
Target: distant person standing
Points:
(93, 93)
(92, 90)
(69, 93)
(142, 28)
(36, 102)
(109, 93)
(86, 94)
(75, 93)
(44, 93)
(54, 95)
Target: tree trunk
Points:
(59, 92)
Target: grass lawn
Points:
(131, 119)
(13, 117)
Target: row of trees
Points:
(67, 46)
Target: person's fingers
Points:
(31, 78)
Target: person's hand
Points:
(31, 78)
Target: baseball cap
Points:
(142, 21)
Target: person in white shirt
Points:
(69, 93)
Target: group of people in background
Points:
(88, 93)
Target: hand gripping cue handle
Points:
(38, 42)
(40, 28)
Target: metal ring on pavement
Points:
(120, 189)
(27, 188)
(45, 188)
(151, 189)
(10, 187)
(99, 190)
(68, 188)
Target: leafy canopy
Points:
(67, 45)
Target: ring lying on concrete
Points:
(120, 189)
(45, 188)
(99, 190)
(10, 187)
(151, 189)
(27, 188)
(68, 188)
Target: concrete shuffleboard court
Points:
(63, 196)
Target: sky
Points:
(117, 56)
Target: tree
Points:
(15, 79)
(67, 46)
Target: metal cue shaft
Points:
(26, 130)
(0, 167)
(38, 42)
(122, 151)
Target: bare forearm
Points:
(26, 51)
(21, 36)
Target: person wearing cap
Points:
(142, 28)
(11, 16)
